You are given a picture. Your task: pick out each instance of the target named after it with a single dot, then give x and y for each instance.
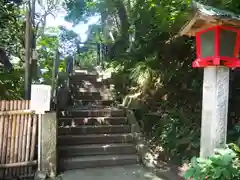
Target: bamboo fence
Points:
(18, 139)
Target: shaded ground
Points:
(131, 172)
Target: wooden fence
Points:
(18, 139)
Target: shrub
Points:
(223, 165)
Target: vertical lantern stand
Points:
(217, 50)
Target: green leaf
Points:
(227, 174)
(218, 172)
(189, 173)
(194, 162)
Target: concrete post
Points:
(214, 109)
(48, 135)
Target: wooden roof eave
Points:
(207, 20)
(188, 25)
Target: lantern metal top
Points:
(207, 16)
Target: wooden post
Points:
(27, 86)
(54, 74)
(29, 45)
(214, 109)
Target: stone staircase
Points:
(91, 132)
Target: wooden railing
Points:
(18, 139)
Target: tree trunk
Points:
(122, 13)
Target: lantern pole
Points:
(218, 44)
(214, 109)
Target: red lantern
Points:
(218, 45)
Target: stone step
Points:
(91, 89)
(89, 129)
(86, 84)
(81, 76)
(85, 102)
(87, 95)
(94, 139)
(96, 149)
(92, 121)
(94, 112)
(80, 93)
(90, 78)
(80, 70)
(97, 161)
(91, 98)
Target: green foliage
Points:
(87, 59)
(80, 10)
(11, 20)
(230, 5)
(47, 45)
(68, 39)
(12, 85)
(119, 77)
(234, 134)
(224, 164)
(178, 137)
(144, 76)
(11, 40)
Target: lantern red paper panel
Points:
(218, 45)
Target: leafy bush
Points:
(224, 164)
(179, 137)
(87, 59)
(234, 134)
